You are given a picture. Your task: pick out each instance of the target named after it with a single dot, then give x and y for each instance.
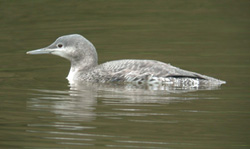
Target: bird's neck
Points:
(79, 68)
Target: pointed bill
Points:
(40, 51)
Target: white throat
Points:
(72, 75)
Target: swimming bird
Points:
(84, 66)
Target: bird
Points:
(85, 68)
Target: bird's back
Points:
(145, 72)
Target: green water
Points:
(39, 110)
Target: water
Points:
(39, 110)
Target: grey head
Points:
(75, 48)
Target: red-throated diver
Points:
(84, 66)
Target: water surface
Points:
(38, 109)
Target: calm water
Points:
(39, 110)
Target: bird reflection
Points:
(79, 102)
(69, 105)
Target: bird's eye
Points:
(59, 45)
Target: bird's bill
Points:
(40, 51)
